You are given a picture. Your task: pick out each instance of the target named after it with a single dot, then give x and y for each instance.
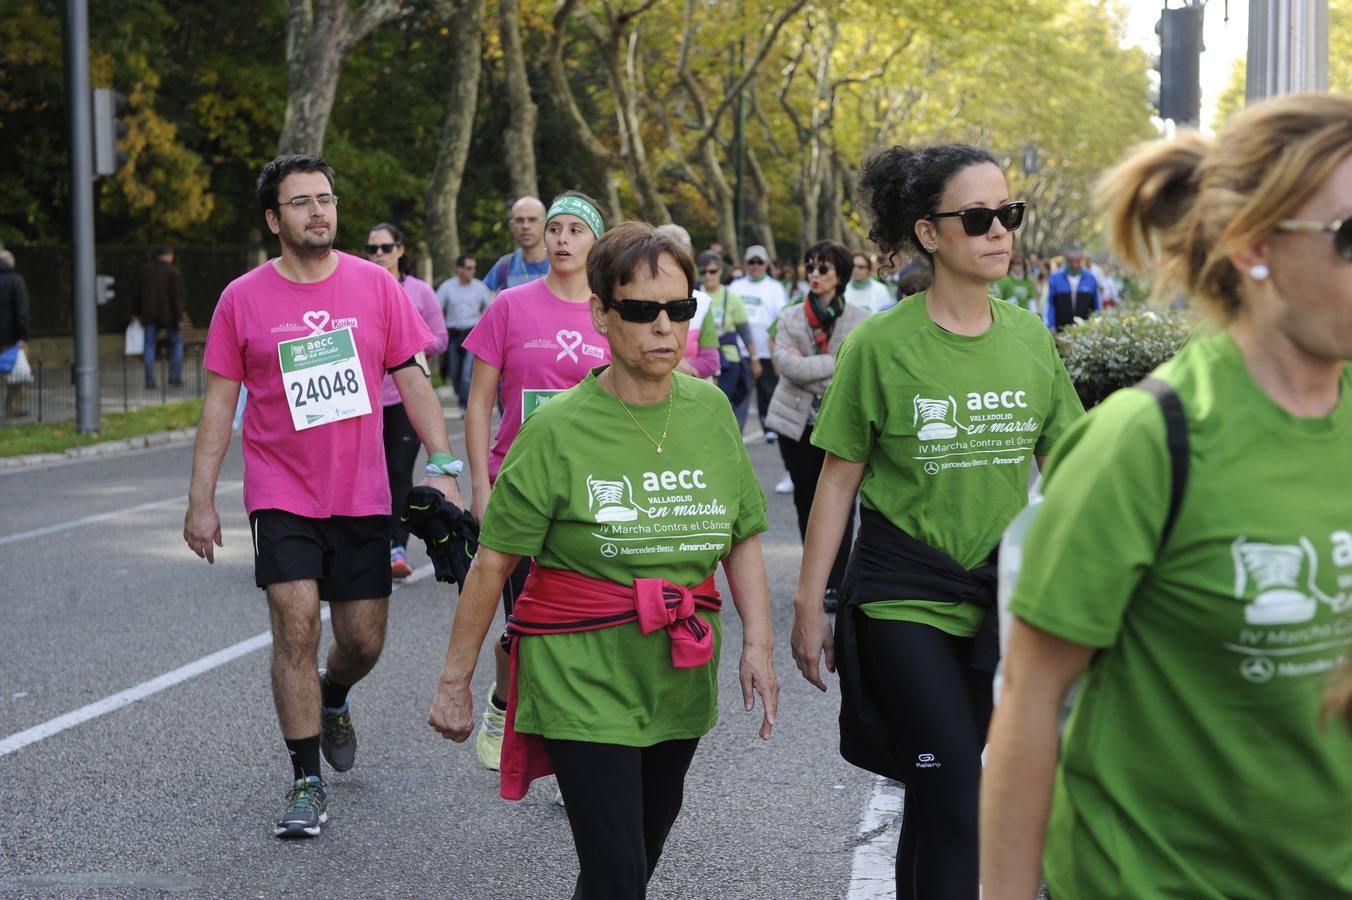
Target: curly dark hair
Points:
(899, 186)
(840, 258)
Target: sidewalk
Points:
(159, 439)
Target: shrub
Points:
(1118, 347)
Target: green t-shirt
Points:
(736, 315)
(1021, 291)
(947, 427)
(1193, 765)
(708, 332)
(583, 490)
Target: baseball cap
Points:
(756, 251)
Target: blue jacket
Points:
(1061, 307)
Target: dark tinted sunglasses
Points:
(373, 249)
(819, 268)
(755, 262)
(1342, 232)
(976, 221)
(717, 271)
(648, 310)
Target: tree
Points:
(443, 190)
(518, 138)
(319, 36)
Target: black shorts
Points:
(348, 555)
(516, 582)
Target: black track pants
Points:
(938, 709)
(621, 802)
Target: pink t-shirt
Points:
(337, 469)
(541, 344)
(424, 300)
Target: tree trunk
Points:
(518, 138)
(319, 35)
(610, 37)
(561, 98)
(443, 191)
(760, 210)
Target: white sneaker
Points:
(785, 485)
(770, 437)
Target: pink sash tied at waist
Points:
(555, 601)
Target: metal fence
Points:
(50, 397)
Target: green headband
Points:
(570, 205)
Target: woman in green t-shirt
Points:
(935, 414)
(1194, 763)
(611, 488)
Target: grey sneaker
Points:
(307, 808)
(338, 739)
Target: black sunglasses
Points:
(755, 262)
(820, 268)
(682, 310)
(373, 249)
(976, 221)
(1342, 232)
(712, 271)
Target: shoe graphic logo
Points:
(932, 417)
(569, 341)
(608, 499)
(1275, 571)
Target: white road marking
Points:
(873, 870)
(155, 685)
(103, 517)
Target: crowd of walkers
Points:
(1188, 562)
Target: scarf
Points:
(823, 318)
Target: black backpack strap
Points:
(1176, 436)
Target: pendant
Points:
(659, 451)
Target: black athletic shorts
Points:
(348, 555)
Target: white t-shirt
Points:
(763, 300)
(872, 296)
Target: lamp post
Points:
(1288, 47)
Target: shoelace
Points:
(338, 726)
(303, 795)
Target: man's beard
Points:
(305, 245)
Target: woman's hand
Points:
(757, 674)
(810, 640)
(452, 714)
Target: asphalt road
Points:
(175, 794)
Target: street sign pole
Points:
(1288, 47)
(80, 142)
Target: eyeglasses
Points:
(373, 249)
(755, 262)
(682, 310)
(862, 266)
(324, 200)
(820, 269)
(711, 271)
(1342, 232)
(976, 221)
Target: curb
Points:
(104, 448)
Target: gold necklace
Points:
(655, 442)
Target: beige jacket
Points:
(803, 376)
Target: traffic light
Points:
(1180, 33)
(109, 128)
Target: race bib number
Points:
(532, 399)
(323, 379)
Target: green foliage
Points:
(1118, 347)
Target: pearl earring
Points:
(1259, 272)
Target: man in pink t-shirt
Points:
(311, 334)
